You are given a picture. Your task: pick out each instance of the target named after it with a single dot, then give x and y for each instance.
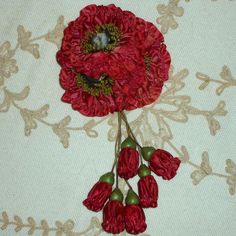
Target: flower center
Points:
(100, 40)
(104, 38)
(95, 87)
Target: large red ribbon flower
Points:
(111, 61)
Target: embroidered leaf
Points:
(69, 225)
(178, 115)
(205, 165)
(60, 130)
(167, 12)
(88, 127)
(5, 220)
(197, 176)
(7, 63)
(231, 180)
(203, 77)
(220, 109)
(19, 223)
(56, 35)
(95, 222)
(185, 156)
(214, 125)
(25, 42)
(175, 82)
(205, 169)
(45, 228)
(10, 98)
(204, 85)
(226, 74)
(221, 89)
(226, 81)
(65, 228)
(30, 117)
(32, 225)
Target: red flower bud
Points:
(99, 193)
(148, 191)
(134, 219)
(113, 217)
(164, 164)
(128, 162)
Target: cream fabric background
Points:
(42, 179)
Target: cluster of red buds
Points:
(117, 215)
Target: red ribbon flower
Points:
(134, 219)
(111, 61)
(99, 193)
(147, 188)
(134, 214)
(113, 214)
(161, 162)
(128, 162)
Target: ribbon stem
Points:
(117, 146)
(130, 132)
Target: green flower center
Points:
(104, 38)
(95, 87)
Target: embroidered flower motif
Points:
(7, 63)
(111, 61)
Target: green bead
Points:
(147, 152)
(143, 171)
(132, 198)
(117, 195)
(128, 143)
(107, 178)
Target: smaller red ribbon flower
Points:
(128, 162)
(134, 214)
(99, 193)
(164, 164)
(134, 219)
(148, 191)
(113, 217)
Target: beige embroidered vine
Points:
(226, 81)
(67, 228)
(169, 12)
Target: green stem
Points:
(129, 130)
